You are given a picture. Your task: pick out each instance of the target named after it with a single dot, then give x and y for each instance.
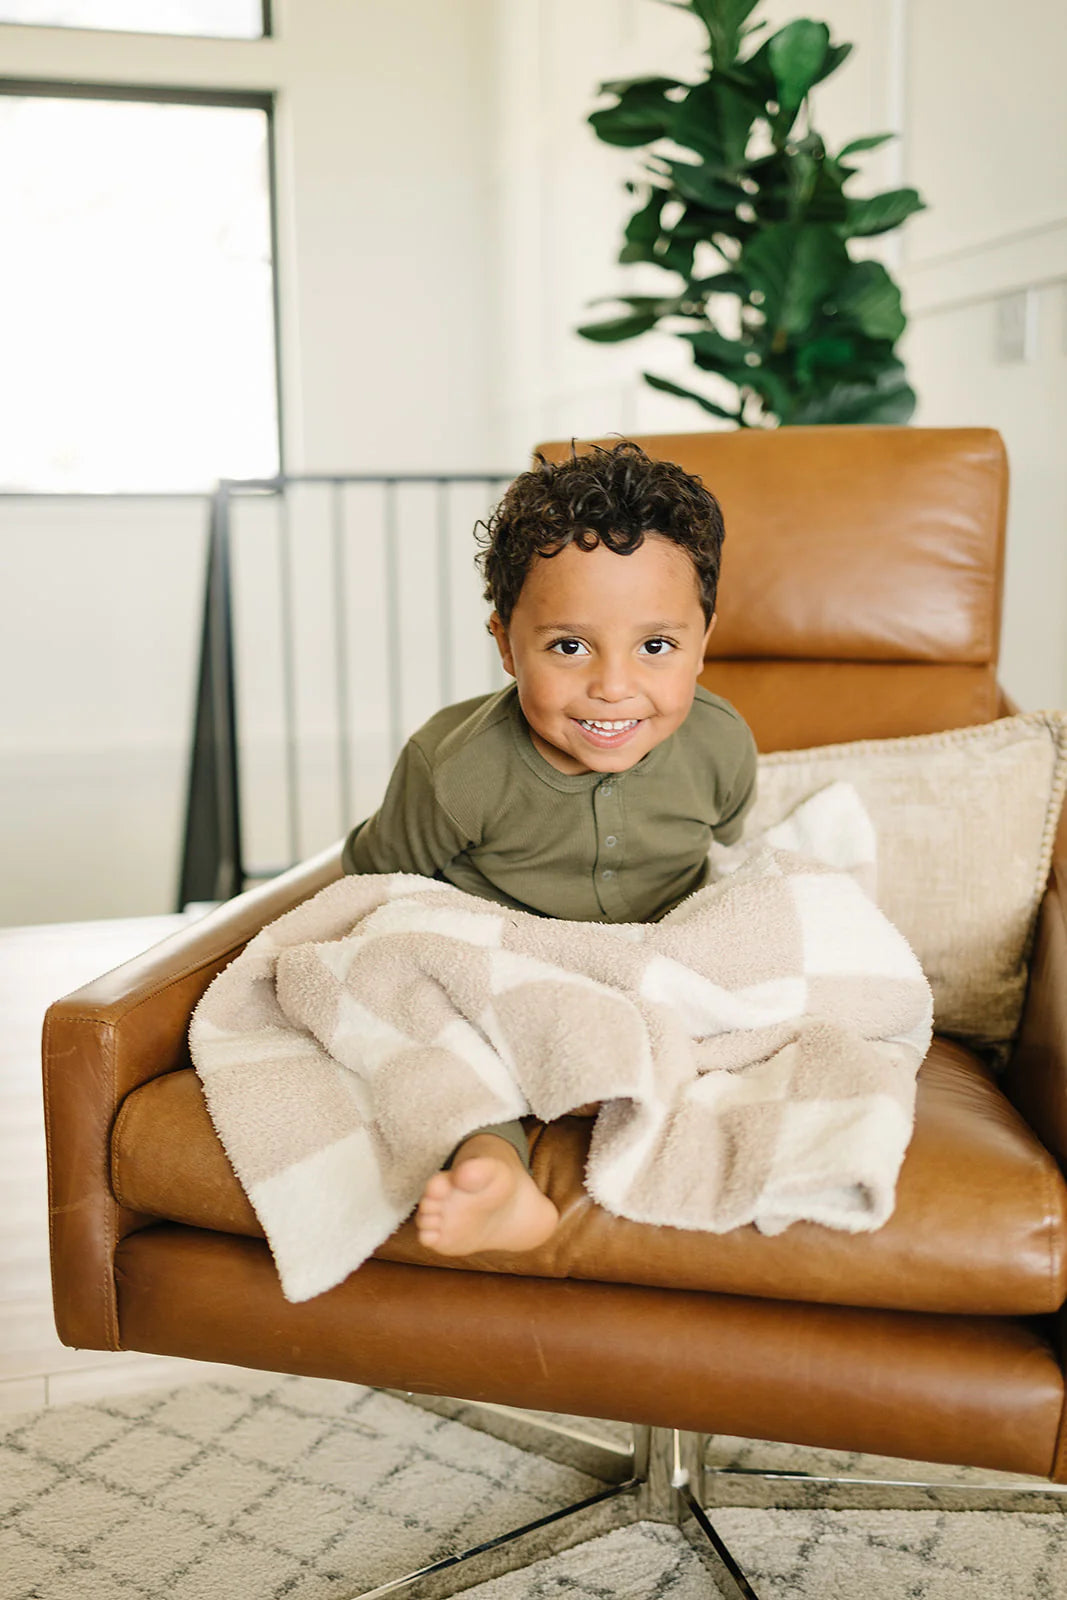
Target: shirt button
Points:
(607, 873)
(611, 839)
(605, 789)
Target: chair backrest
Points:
(862, 576)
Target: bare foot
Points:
(485, 1201)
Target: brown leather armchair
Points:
(860, 598)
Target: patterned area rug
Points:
(294, 1489)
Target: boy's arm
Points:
(739, 796)
(411, 831)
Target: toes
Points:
(439, 1187)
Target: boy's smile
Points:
(606, 650)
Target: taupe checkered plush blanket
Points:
(754, 1054)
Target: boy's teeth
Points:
(608, 727)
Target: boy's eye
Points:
(658, 647)
(567, 647)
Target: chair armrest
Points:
(1036, 1077)
(107, 1039)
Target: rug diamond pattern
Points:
(280, 1488)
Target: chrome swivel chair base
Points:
(663, 1478)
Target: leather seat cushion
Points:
(980, 1224)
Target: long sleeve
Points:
(738, 797)
(411, 831)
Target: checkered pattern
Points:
(754, 1052)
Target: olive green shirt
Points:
(472, 801)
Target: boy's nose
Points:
(613, 681)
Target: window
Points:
(218, 19)
(136, 292)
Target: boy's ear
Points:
(500, 634)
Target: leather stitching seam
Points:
(49, 1029)
(110, 1228)
(1053, 1233)
(116, 1134)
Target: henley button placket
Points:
(607, 813)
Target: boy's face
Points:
(598, 638)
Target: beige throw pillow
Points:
(964, 823)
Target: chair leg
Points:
(803, 1491)
(664, 1479)
(660, 1480)
(669, 1466)
(534, 1541)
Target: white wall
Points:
(381, 130)
(561, 206)
(986, 134)
(977, 96)
(445, 215)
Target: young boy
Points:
(590, 788)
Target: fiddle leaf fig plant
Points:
(742, 201)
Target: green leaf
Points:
(890, 399)
(642, 114)
(700, 184)
(867, 296)
(796, 55)
(687, 394)
(824, 355)
(698, 223)
(617, 328)
(871, 142)
(776, 392)
(836, 54)
(754, 73)
(839, 171)
(815, 191)
(677, 255)
(715, 119)
(795, 267)
(715, 353)
(628, 131)
(723, 20)
(643, 230)
(657, 304)
(881, 212)
(721, 283)
(620, 86)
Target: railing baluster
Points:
(340, 608)
(444, 593)
(212, 864)
(285, 578)
(494, 486)
(393, 653)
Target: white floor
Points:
(37, 966)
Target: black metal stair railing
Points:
(213, 864)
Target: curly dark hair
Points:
(604, 496)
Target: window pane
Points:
(136, 295)
(219, 19)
